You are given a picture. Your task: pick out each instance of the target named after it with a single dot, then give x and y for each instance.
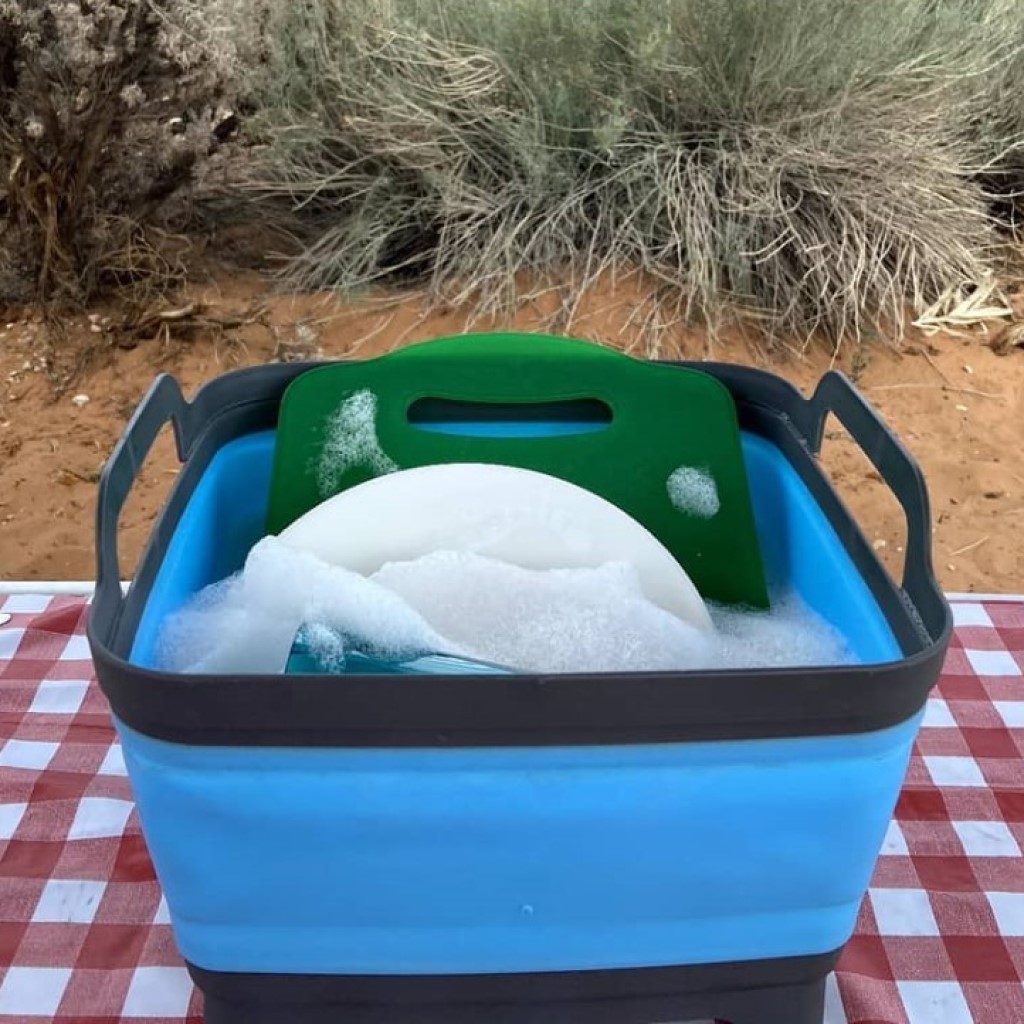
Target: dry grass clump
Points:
(819, 163)
(824, 165)
(107, 112)
(1000, 120)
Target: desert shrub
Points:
(819, 162)
(1000, 117)
(107, 113)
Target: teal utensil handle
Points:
(354, 659)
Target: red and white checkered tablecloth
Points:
(84, 933)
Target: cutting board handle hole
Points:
(510, 419)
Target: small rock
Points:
(878, 545)
(968, 368)
(80, 400)
(951, 567)
(953, 501)
(305, 334)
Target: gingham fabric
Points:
(84, 934)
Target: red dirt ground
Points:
(957, 405)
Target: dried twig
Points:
(920, 350)
(185, 320)
(969, 547)
(385, 321)
(960, 306)
(937, 387)
(88, 477)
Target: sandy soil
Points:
(957, 405)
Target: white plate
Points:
(519, 516)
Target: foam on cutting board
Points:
(554, 620)
(351, 440)
(694, 491)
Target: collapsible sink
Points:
(466, 849)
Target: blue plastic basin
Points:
(426, 861)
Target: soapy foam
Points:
(789, 635)
(350, 441)
(324, 645)
(694, 491)
(247, 623)
(546, 620)
(556, 620)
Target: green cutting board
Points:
(657, 420)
